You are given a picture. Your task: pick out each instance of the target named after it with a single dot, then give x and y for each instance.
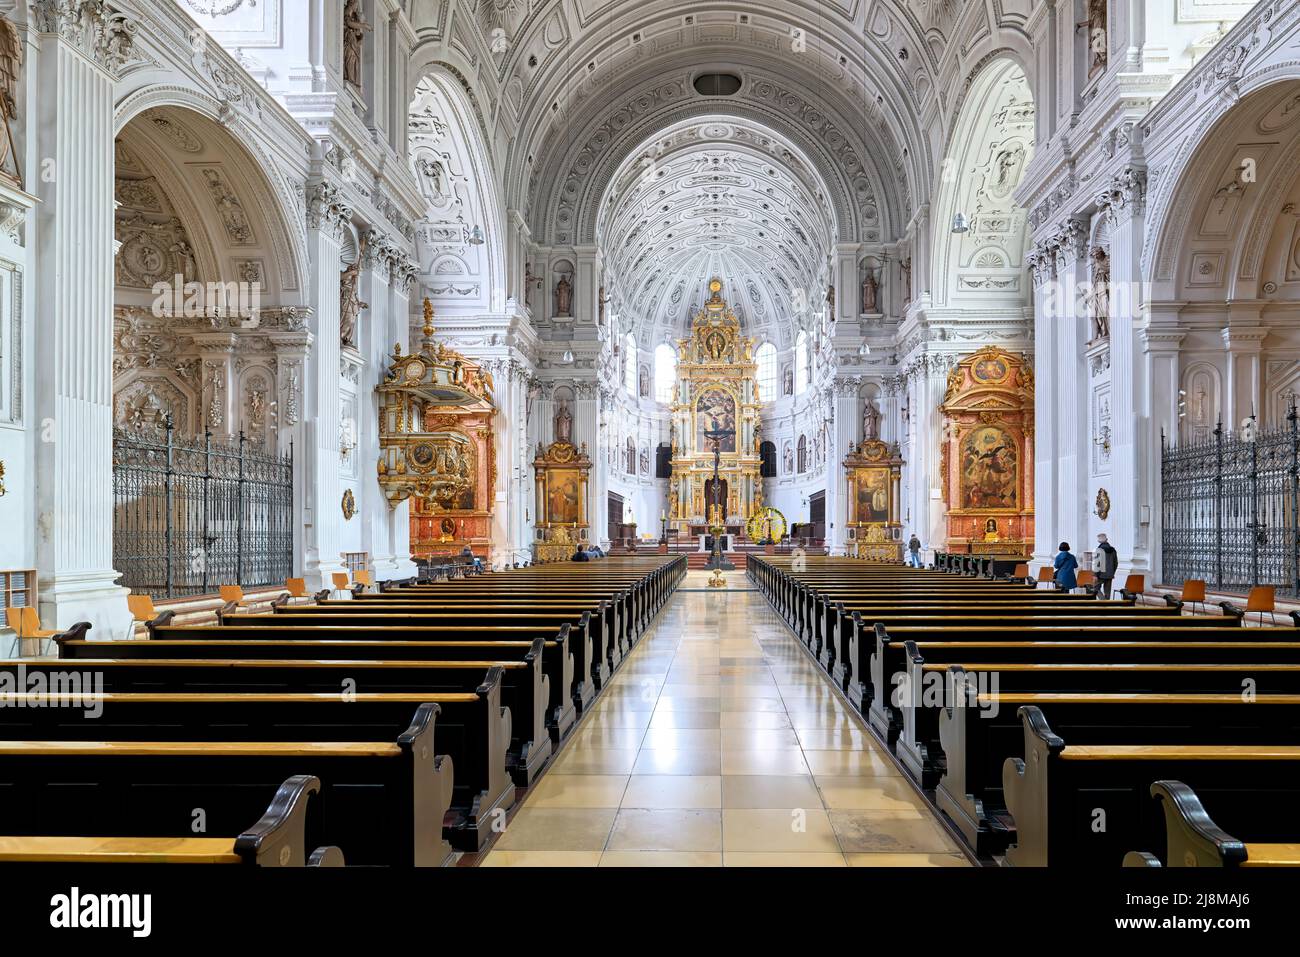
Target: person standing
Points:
(914, 551)
(1105, 562)
(1065, 565)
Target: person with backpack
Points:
(914, 551)
(1105, 562)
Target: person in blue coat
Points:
(1065, 565)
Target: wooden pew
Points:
(558, 665)
(384, 800)
(886, 719)
(1193, 839)
(1059, 792)
(981, 731)
(874, 654)
(602, 623)
(473, 730)
(277, 839)
(228, 669)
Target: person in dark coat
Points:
(1105, 563)
(914, 551)
(1065, 565)
(581, 555)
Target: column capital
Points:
(97, 29)
(326, 210)
(1125, 195)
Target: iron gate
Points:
(190, 515)
(1231, 509)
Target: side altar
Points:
(717, 391)
(437, 447)
(873, 471)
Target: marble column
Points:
(841, 440)
(79, 53)
(586, 428)
(405, 271)
(1067, 392)
(1047, 307)
(327, 218)
(375, 345)
(1161, 343)
(1124, 201)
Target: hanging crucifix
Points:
(717, 517)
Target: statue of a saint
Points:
(354, 31)
(906, 268)
(870, 293)
(870, 422)
(1100, 295)
(564, 423)
(350, 304)
(563, 296)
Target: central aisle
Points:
(719, 742)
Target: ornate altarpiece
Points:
(987, 455)
(561, 472)
(437, 447)
(873, 471)
(716, 389)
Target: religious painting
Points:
(715, 410)
(563, 496)
(990, 370)
(989, 476)
(872, 505)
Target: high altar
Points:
(437, 446)
(987, 457)
(716, 390)
(873, 471)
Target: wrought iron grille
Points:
(1231, 509)
(191, 515)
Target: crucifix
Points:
(717, 562)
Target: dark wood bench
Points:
(1085, 805)
(473, 730)
(568, 687)
(981, 731)
(383, 800)
(609, 643)
(1268, 837)
(229, 670)
(277, 839)
(886, 719)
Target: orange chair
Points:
(26, 624)
(1134, 586)
(232, 595)
(1261, 599)
(1086, 579)
(340, 580)
(296, 587)
(1193, 593)
(1020, 573)
(142, 610)
(362, 577)
(1046, 574)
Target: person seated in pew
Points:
(1065, 566)
(472, 560)
(580, 555)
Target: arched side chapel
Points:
(562, 194)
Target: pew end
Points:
(1231, 611)
(1141, 859)
(1193, 839)
(279, 838)
(1024, 787)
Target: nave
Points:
(720, 742)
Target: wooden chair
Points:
(1134, 586)
(363, 577)
(26, 624)
(1261, 599)
(340, 582)
(233, 595)
(1020, 573)
(142, 610)
(296, 588)
(1087, 580)
(1046, 574)
(1194, 593)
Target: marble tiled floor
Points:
(719, 742)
